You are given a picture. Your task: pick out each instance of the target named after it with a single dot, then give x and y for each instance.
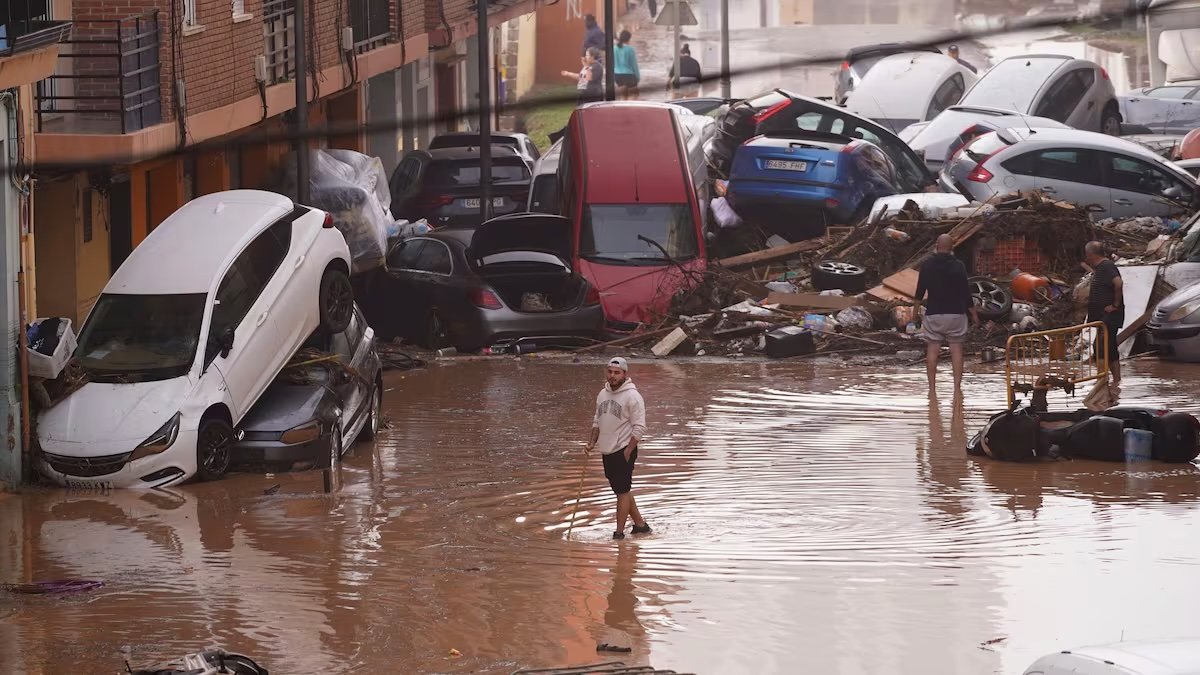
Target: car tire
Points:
(833, 275)
(1110, 121)
(214, 441)
(371, 428)
(992, 301)
(335, 301)
(335, 446)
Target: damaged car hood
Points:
(100, 414)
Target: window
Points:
(138, 338)
(434, 258)
(610, 233)
(1073, 165)
(239, 9)
(1012, 83)
(345, 344)
(1064, 96)
(1169, 92)
(404, 256)
(245, 281)
(544, 194)
(189, 13)
(467, 172)
(946, 95)
(1135, 175)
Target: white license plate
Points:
(786, 165)
(81, 485)
(474, 203)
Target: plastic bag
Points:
(726, 217)
(60, 346)
(855, 317)
(782, 287)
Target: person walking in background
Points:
(589, 81)
(687, 84)
(593, 37)
(944, 278)
(617, 429)
(1106, 301)
(952, 52)
(625, 67)
(653, 7)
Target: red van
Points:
(625, 183)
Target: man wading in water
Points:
(619, 424)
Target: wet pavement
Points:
(809, 517)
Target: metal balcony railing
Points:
(369, 19)
(107, 79)
(25, 25)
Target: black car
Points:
(442, 186)
(784, 113)
(522, 143)
(312, 412)
(508, 279)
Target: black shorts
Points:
(619, 472)
(1112, 325)
(626, 80)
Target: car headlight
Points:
(1184, 311)
(304, 433)
(159, 440)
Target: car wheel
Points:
(371, 429)
(434, 333)
(336, 301)
(991, 300)
(335, 445)
(213, 443)
(830, 275)
(1110, 122)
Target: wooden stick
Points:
(628, 339)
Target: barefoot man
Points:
(944, 278)
(617, 428)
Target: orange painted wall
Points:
(560, 35)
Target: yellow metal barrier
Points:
(1064, 356)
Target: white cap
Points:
(618, 362)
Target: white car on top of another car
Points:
(905, 89)
(187, 335)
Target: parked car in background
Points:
(1133, 657)
(780, 111)
(543, 189)
(935, 141)
(701, 106)
(800, 182)
(860, 60)
(905, 89)
(1174, 326)
(442, 186)
(521, 143)
(629, 186)
(1172, 109)
(189, 332)
(509, 278)
(311, 413)
(1075, 92)
(1115, 177)
(1191, 166)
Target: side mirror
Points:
(225, 342)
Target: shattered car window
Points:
(610, 233)
(130, 338)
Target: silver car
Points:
(1075, 92)
(940, 137)
(1114, 177)
(1175, 325)
(1173, 109)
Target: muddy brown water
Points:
(808, 518)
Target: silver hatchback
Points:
(1115, 178)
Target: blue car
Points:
(796, 184)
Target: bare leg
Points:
(623, 503)
(956, 361)
(933, 351)
(1114, 366)
(634, 513)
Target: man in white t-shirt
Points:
(617, 428)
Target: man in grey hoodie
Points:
(617, 427)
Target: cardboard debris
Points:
(904, 282)
(669, 343)
(811, 300)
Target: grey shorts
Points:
(944, 328)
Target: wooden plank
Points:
(771, 254)
(887, 295)
(669, 343)
(810, 300)
(903, 282)
(628, 339)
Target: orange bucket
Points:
(1028, 287)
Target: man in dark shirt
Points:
(687, 85)
(944, 278)
(952, 52)
(1106, 301)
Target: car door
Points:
(353, 392)
(1063, 99)
(243, 305)
(1137, 186)
(395, 305)
(1068, 174)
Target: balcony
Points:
(25, 25)
(107, 79)
(371, 24)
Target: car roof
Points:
(678, 109)
(460, 235)
(474, 136)
(866, 51)
(837, 110)
(1083, 139)
(901, 85)
(1147, 657)
(632, 153)
(199, 240)
(471, 152)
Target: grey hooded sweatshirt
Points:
(620, 416)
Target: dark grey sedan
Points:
(313, 411)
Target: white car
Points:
(1150, 657)
(905, 89)
(187, 335)
(937, 139)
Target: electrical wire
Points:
(394, 124)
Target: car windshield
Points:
(611, 233)
(137, 338)
(1012, 84)
(470, 141)
(459, 173)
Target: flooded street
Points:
(808, 517)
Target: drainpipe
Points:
(10, 99)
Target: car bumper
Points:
(1176, 343)
(256, 453)
(488, 326)
(170, 467)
